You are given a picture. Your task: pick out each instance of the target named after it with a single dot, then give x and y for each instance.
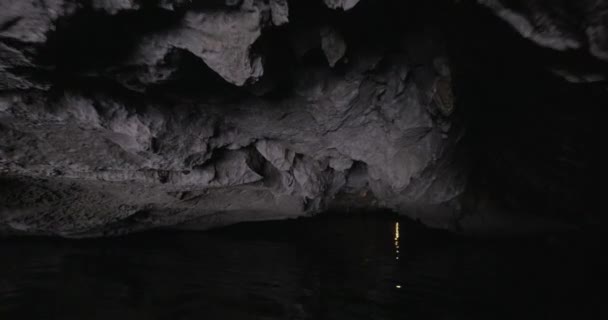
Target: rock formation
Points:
(119, 116)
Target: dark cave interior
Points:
(290, 159)
(532, 139)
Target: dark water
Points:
(326, 268)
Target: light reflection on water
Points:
(338, 268)
(398, 286)
(397, 240)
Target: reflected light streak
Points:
(396, 240)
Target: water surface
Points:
(323, 268)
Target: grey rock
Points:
(285, 164)
(208, 113)
(539, 26)
(222, 40)
(558, 26)
(341, 4)
(30, 21)
(280, 157)
(578, 77)
(233, 3)
(115, 6)
(125, 147)
(280, 12)
(333, 45)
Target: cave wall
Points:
(118, 116)
(113, 121)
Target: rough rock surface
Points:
(333, 45)
(120, 145)
(119, 116)
(341, 4)
(560, 25)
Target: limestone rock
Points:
(280, 12)
(341, 4)
(222, 40)
(333, 45)
(558, 26)
(165, 126)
